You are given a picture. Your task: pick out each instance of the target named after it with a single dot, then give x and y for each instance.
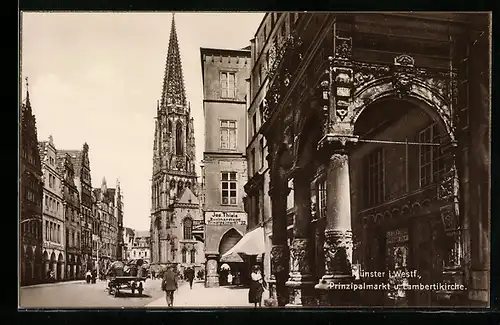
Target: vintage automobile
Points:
(128, 276)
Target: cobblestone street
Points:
(201, 297)
(79, 294)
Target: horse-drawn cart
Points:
(132, 283)
(128, 276)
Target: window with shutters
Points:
(229, 188)
(228, 84)
(228, 134)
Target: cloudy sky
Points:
(96, 77)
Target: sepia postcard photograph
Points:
(208, 160)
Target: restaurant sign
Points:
(221, 218)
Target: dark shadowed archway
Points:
(228, 240)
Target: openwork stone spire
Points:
(173, 92)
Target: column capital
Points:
(332, 143)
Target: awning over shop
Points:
(252, 243)
(231, 258)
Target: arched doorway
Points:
(397, 169)
(46, 264)
(29, 279)
(38, 265)
(60, 267)
(228, 240)
(234, 262)
(78, 267)
(53, 263)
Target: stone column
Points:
(300, 283)
(338, 234)
(279, 250)
(212, 277)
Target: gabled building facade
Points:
(71, 206)
(83, 182)
(174, 158)
(30, 197)
(53, 212)
(108, 223)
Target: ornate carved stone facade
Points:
(332, 105)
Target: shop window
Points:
(229, 188)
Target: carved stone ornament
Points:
(338, 160)
(366, 72)
(298, 255)
(279, 258)
(447, 188)
(402, 82)
(338, 251)
(343, 48)
(404, 60)
(343, 78)
(449, 218)
(342, 112)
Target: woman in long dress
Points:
(257, 286)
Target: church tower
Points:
(173, 156)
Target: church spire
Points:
(173, 91)
(28, 103)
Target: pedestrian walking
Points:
(257, 286)
(169, 285)
(229, 278)
(189, 274)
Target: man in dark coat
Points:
(189, 275)
(169, 285)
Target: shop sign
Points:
(225, 218)
(397, 236)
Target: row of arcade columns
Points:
(293, 268)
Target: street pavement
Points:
(80, 294)
(201, 297)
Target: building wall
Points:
(53, 213)
(259, 203)
(216, 159)
(375, 41)
(31, 192)
(214, 113)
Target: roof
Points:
(76, 160)
(129, 231)
(188, 197)
(142, 233)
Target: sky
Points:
(96, 77)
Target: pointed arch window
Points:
(179, 148)
(188, 228)
(184, 255)
(193, 257)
